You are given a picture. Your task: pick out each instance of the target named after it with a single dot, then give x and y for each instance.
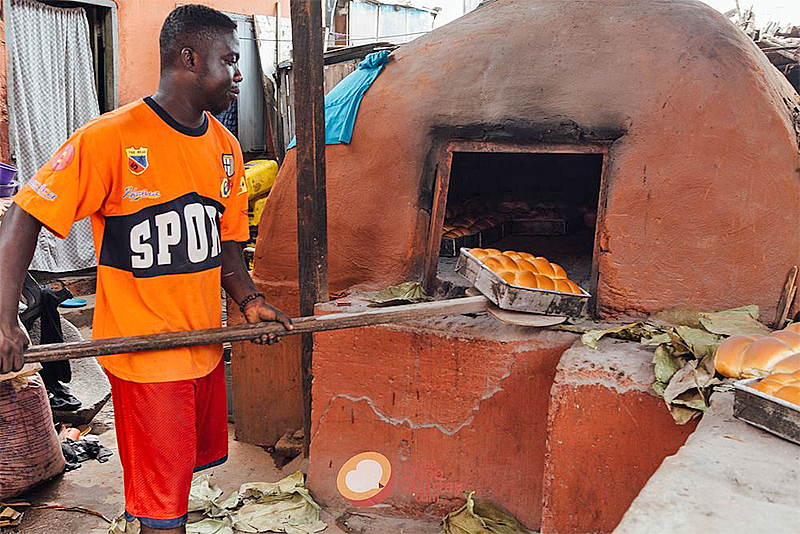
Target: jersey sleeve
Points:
(66, 189)
(234, 226)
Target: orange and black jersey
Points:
(162, 198)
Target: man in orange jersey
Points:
(163, 182)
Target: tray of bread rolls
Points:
(771, 403)
(523, 282)
(767, 369)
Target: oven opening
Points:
(541, 203)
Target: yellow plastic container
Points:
(261, 174)
(258, 210)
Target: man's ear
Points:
(188, 58)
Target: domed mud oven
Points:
(664, 147)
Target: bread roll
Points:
(789, 394)
(790, 338)
(508, 276)
(545, 282)
(762, 355)
(525, 265)
(492, 251)
(527, 279)
(794, 327)
(526, 256)
(544, 267)
(512, 254)
(494, 264)
(769, 385)
(560, 273)
(507, 263)
(728, 358)
(562, 285)
(575, 288)
(479, 253)
(777, 379)
(790, 364)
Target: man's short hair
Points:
(191, 25)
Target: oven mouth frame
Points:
(441, 186)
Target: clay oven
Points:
(698, 202)
(670, 143)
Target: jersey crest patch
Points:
(137, 159)
(242, 186)
(227, 164)
(225, 187)
(63, 158)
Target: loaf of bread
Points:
(790, 364)
(774, 382)
(789, 393)
(763, 355)
(752, 356)
(526, 270)
(728, 358)
(781, 385)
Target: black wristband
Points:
(248, 298)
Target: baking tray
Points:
(517, 298)
(450, 247)
(546, 227)
(770, 413)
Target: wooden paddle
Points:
(213, 336)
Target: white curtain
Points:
(54, 94)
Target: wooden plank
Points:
(787, 298)
(438, 208)
(312, 218)
(244, 332)
(338, 72)
(594, 147)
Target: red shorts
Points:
(165, 432)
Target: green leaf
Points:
(659, 387)
(210, 526)
(683, 380)
(699, 342)
(691, 399)
(202, 494)
(405, 293)
(657, 339)
(631, 331)
(676, 317)
(682, 414)
(120, 525)
(479, 516)
(742, 320)
(665, 364)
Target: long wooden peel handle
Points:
(213, 336)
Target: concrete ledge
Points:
(729, 478)
(607, 434)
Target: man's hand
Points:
(13, 342)
(259, 310)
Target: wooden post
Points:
(312, 233)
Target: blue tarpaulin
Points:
(341, 104)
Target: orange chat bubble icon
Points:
(365, 479)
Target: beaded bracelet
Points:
(248, 298)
